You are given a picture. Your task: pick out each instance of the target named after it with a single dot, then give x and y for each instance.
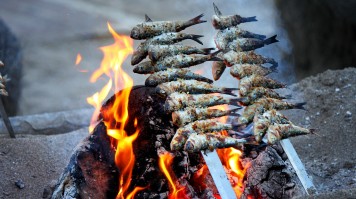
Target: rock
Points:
(20, 184)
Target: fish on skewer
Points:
(277, 132)
(233, 57)
(191, 114)
(247, 44)
(173, 74)
(177, 101)
(197, 142)
(247, 83)
(221, 22)
(176, 61)
(265, 104)
(150, 29)
(156, 52)
(225, 36)
(218, 69)
(164, 39)
(262, 122)
(259, 92)
(190, 86)
(199, 126)
(243, 70)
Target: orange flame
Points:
(117, 115)
(78, 60)
(230, 158)
(165, 161)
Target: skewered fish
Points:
(262, 122)
(259, 92)
(247, 83)
(176, 61)
(247, 44)
(163, 39)
(177, 101)
(190, 86)
(191, 114)
(223, 37)
(263, 105)
(218, 69)
(173, 74)
(243, 70)
(197, 142)
(156, 52)
(222, 22)
(200, 126)
(150, 29)
(250, 57)
(278, 132)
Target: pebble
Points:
(348, 114)
(20, 184)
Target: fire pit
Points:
(141, 146)
(92, 171)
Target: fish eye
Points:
(162, 93)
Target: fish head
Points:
(176, 119)
(161, 92)
(138, 56)
(135, 32)
(215, 20)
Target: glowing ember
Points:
(116, 117)
(165, 162)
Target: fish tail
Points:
(213, 56)
(313, 131)
(235, 101)
(233, 112)
(195, 20)
(270, 40)
(196, 38)
(274, 68)
(206, 51)
(229, 91)
(248, 19)
(287, 97)
(238, 127)
(272, 61)
(300, 105)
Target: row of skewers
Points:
(255, 89)
(190, 96)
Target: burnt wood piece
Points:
(270, 176)
(91, 172)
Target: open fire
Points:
(149, 141)
(116, 119)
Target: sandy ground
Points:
(53, 32)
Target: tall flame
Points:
(117, 115)
(165, 162)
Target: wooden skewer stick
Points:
(6, 119)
